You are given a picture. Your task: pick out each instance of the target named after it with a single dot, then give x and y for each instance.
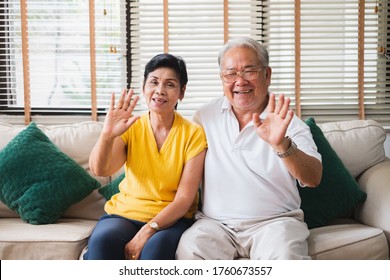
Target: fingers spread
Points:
(132, 104)
(126, 101)
(290, 115)
(284, 107)
(112, 104)
(279, 104)
(271, 103)
(281, 107)
(121, 99)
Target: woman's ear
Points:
(182, 91)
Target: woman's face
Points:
(162, 90)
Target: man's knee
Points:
(205, 240)
(187, 244)
(297, 251)
(282, 240)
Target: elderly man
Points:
(257, 151)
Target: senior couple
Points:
(246, 149)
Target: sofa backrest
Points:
(75, 140)
(359, 143)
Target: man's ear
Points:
(268, 73)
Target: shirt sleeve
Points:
(197, 142)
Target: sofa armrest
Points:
(375, 211)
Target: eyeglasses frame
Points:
(239, 73)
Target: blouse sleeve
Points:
(196, 143)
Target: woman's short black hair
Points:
(170, 61)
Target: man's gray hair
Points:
(261, 51)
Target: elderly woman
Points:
(162, 154)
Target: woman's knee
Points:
(109, 237)
(163, 244)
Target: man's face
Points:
(245, 95)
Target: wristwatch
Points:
(291, 149)
(154, 226)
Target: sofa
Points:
(352, 224)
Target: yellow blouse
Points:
(152, 177)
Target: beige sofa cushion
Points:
(358, 143)
(6, 212)
(348, 242)
(75, 140)
(61, 241)
(8, 132)
(91, 207)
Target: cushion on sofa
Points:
(75, 140)
(338, 192)
(39, 181)
(356, 140)
(63, 240)
(112, 188)
(8, 132)
(347, 241)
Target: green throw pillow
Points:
(37, 180)
(338, 192)
(112, 188)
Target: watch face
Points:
(154, 225)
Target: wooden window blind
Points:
(330, 57)
(326, 55)
(61, 57)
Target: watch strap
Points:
(291, 149)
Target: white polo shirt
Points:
(244, 178)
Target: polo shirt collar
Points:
(226, 106)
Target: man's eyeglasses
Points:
(249, 74)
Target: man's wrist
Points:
(290, 150)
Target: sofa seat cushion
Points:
(348, 242)
(61, 241)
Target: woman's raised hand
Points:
(120, 118)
